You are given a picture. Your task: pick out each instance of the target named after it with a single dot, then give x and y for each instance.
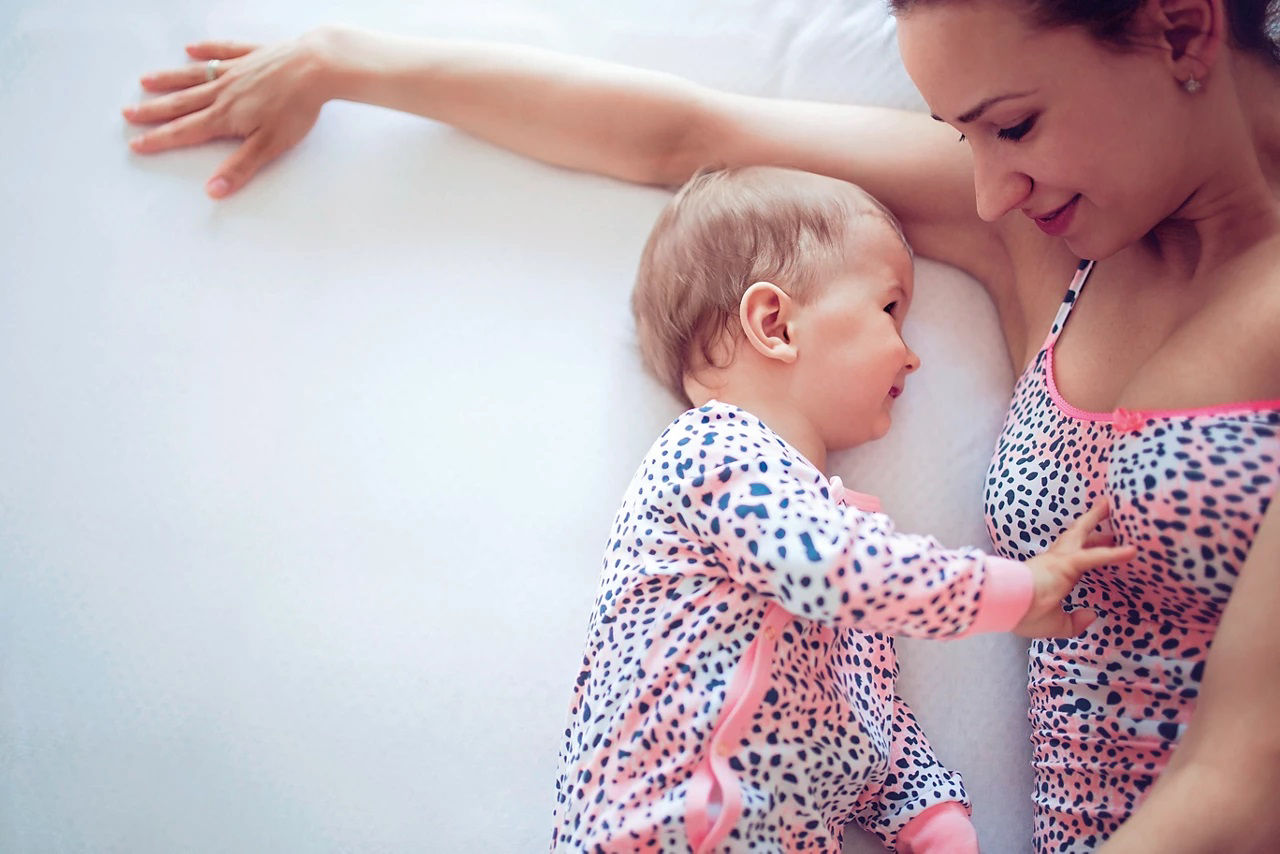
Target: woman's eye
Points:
(1018, 131)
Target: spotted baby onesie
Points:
(737, 688)
(1189, 488)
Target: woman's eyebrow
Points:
(976, 113)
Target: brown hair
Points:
(1255, 24)
(722, 232)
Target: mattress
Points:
(303, 494)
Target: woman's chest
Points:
(1189, 490)
(1171, 347)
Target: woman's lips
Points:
(1057, 222)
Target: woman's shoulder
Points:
(1233, 340)
(1260, 266)
(1251, 293)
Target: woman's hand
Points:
(1081, 547)
(269, 97)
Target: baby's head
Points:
(775, 288)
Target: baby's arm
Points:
(776, 529)
(921, 808)
(773, 525)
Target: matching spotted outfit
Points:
(737, 688)
(1189, 488)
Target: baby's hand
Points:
(1081, 547)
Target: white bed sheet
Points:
(303, 494)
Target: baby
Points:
(737, 688)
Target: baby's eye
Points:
(962, 138)
(891, 307)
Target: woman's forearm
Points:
(1201, 809)
(1219, 792)
(586, 114)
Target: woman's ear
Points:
(766, 313)
(1191, 32)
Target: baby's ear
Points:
(766, 313)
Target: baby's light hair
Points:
(722, 232)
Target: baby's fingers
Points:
(1078, 532)
(1058, 624)
(1091, 518)
(1089, 558)
(1079, 620)
(1100, 539)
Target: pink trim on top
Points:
(1006, 596)
(741, 699)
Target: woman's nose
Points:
(997, 188)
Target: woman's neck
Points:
(1236, 204)
(1258, 88)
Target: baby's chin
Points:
(880, 429)
(870, 433)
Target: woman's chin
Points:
(1097, 244)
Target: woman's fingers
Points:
(190, 129)
(187, 76)
(171, 106)
(263, 96)
(257, 150)
(219, 50)
(172, 79)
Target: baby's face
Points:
(852, 360)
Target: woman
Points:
(1142, 135)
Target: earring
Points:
(1192, 85)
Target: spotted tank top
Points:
(1189, 488)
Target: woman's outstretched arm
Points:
(616, 120)
(630, 123)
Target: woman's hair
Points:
(1255, 24)
(722, 232)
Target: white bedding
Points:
(303, 494)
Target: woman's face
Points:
(1088, 141)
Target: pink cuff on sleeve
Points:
(1006, 596)
(941, 829)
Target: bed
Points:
(303, 494)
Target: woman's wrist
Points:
(368, 67)
(348, 64)
(326, 54)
